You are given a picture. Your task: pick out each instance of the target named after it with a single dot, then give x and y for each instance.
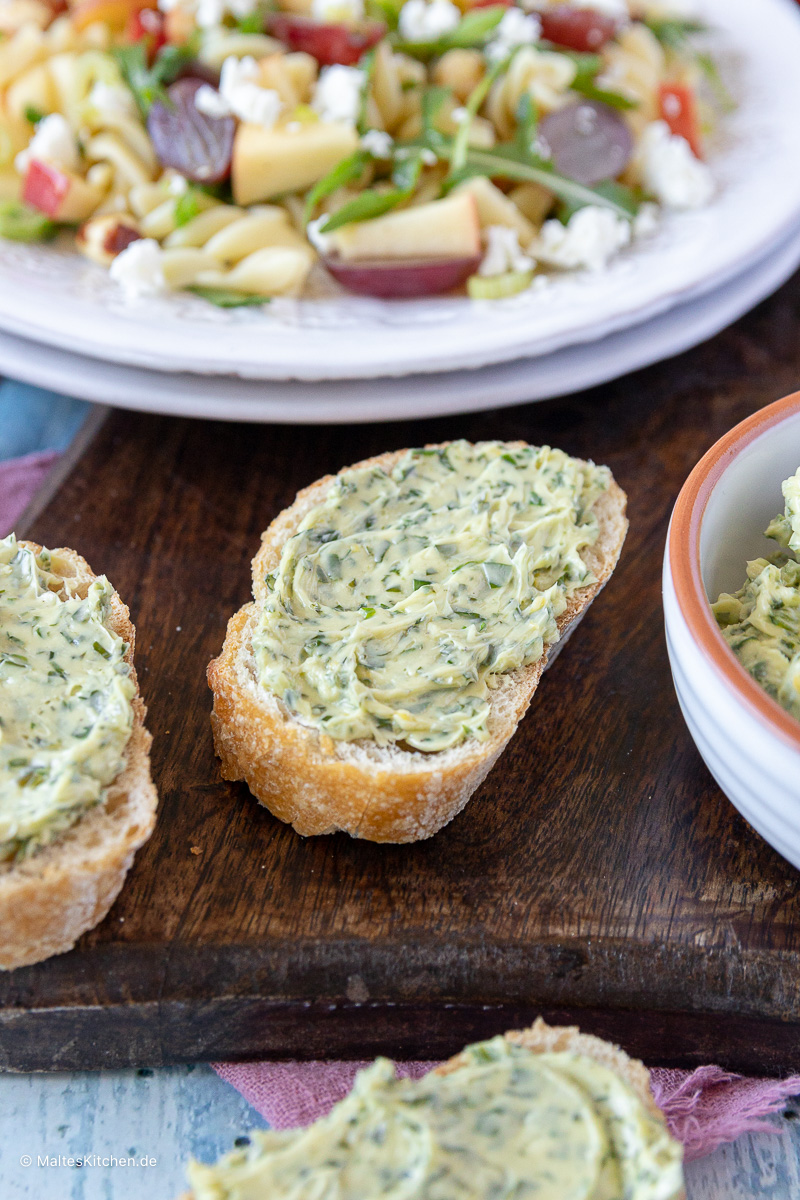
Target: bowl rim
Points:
(684, 562)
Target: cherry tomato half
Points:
(678, 106)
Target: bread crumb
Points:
(196, 850)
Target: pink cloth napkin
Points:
(19, 479)
(704, 1108)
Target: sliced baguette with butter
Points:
(76, 796)
(541, 1114)
(403, 614)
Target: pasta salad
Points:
(239, 148)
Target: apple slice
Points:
(394, 280)
(438, 230)
(116, 13)
(60, 194)
(268, 162)
(327, 43)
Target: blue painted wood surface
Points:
(172, 1114)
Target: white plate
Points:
(412, 396)
(56, 297)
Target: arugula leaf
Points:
(612, 99)
(472, 31)
(506, 163)
(367, 67)
(34, 115)
(474, 101)
(227, 298)
(674, 32)
(711, 71)
(624, 197)
(148, 84)
(372, 203)
(132, 62)
(343, 173)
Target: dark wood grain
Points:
(598, 874)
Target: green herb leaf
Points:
(711, 71)
(472, 30)
(674, 32)
(228, 298)
(612, 99)
(373, 203)
(34, 115)
(343, 173)
(618, 194)
(148, 84)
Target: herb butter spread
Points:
(508, 1124)
(403, 595)
(761, 622)
(65, 700)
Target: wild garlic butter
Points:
(65, 701)
(761, 622)
(403, 595)
(509, 1123)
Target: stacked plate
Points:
(343, 358)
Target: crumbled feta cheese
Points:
(377, 143)
(337, 96)
(113, 100)
(54, 142)
(337, 10)
(503, 252)
(592, 237)
(609, 8)
(319, 240)
(209, 14)
(646, 221)
(139, 269)
(670, 171)
(427, 22)
(177, 185)
(240, 94)
(515, 29)
(210, 102)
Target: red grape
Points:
(198, 146)
(589, 141)
(582, 29)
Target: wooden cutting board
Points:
(598, 875)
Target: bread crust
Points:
(48, 900)
(382, 794)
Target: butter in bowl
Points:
(732, 615)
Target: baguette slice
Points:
(48, 900)
(382, 794)
(548, 1039)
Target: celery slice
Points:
(20, 223)
(498, 287)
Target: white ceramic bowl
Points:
(750, 744)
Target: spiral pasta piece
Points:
(543, 75)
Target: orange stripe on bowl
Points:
(684, 562)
